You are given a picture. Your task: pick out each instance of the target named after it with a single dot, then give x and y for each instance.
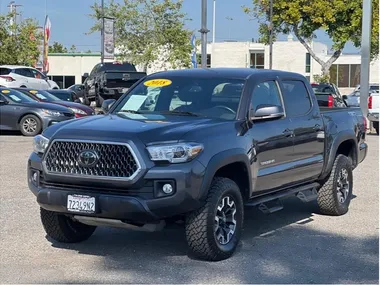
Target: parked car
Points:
(79, 91)
(328, 95)
(109, 81)
(65, 95)
(13, 76)
(373, 88)
(19, 112)
(197, 155)
(45, 96)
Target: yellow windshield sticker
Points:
(158, 83)
(33, 91)
(5, 91)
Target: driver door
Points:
(40, 79)
(272, 143)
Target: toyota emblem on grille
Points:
(88, 158)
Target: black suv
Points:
(209, 143)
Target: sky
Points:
(70, 21)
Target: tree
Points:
(19, 42)
(73, 49)
(57, 48)
(148, 30)
(340, 19)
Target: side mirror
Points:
(3, 102)
(77, 101)
(85, 74)
(344, 97)
(265, 112)
(107, 104)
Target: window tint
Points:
(24, 72)
(36, 74)
(296, 97)
(4, 71)
(265, 93)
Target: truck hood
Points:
(155, 128)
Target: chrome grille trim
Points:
(93, 177)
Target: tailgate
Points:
(375, 103)
(125, 79)
(322, 98)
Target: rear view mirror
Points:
(107, 104)
(265, 112)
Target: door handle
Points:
(288, 133)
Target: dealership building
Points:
(67, 69)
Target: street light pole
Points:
(365, 55)
(102, 35)
(270, 34)
(204, 32)
(213, 21)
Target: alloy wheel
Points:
(225, 222)
(29, 125)
(343, 185)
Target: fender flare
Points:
(218, 161)
(341, 137)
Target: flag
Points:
(194, 51)
(47, 29)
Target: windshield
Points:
(183, 96)
(44, 96)
(16, 96)
(61, 95)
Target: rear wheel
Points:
(64, 229)
(334, 197)
(213, 232)
(30, 125)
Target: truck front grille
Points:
(77, 158)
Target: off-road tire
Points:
(328, 196)
(64, 229)
(200, 223)
(34, 118)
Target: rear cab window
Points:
(296, 98)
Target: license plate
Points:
(80, 204)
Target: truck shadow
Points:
(276, 248)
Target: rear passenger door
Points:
(271, 141)
(307, 127)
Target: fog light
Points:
(34, 177)
(167, 188)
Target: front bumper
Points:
(373, 117)
(48, 121)
(140, 202)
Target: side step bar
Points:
(271, 203)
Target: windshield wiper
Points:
(130, 111)
(180, 113)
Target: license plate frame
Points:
(78, 203)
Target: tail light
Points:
(330, 103)
(370, 102)
(7, 78)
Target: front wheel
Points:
(334, 197)
(30, 125)
(213, 231)
(64, 229)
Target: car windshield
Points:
(183, 96)
(16, 96)
(61, 95)
(44, 96)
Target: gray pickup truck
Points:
(213, 141)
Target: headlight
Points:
(53, 113)
(40, 143)
(174, 153)
(78, 111)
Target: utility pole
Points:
(270, 34)
(102, 35)
(365, 55)
(213, 21)
(13, 10)
(204, 32)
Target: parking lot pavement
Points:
(296, 245)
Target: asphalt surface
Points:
(296, 245)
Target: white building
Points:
(67, 69)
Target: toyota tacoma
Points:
(213, 142)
